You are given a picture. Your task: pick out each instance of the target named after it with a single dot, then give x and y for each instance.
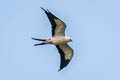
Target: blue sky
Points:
(94, 26)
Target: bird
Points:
(58, 39)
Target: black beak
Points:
(70, 40)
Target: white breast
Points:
(59, 40)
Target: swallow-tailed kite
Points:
(58, 39)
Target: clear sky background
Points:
(94, 26)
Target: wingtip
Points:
(45, 10)
(59, 70)
(42, 8)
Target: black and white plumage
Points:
(58, 39)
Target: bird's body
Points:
(58, 39)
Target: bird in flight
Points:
(58, 39)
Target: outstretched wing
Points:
(66, 53)
(58, 26)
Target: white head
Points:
(68, 38)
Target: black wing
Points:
(58, 26)
(66, 54)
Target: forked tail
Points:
(39, 40)
(40, 44)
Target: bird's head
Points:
(68, 38)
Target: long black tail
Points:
(39, 44)
(39, 39)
